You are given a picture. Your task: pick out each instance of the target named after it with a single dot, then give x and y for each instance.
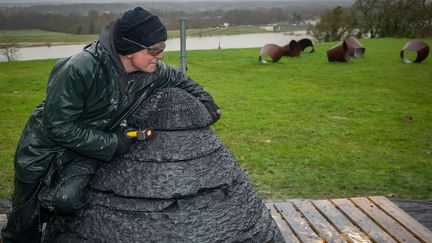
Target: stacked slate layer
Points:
(182, 185)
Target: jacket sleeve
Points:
(171, 77)
(65, 99)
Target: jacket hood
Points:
(106, 39)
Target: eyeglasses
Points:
(150, 50)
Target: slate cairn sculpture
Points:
(182, 185)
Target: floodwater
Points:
(192, 43)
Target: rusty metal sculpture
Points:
(418, 46)
(275, 52)
(355, 48)
(292, 49)
(271, 50)
(338, 53)
(305, 43)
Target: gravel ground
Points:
(5, 205)
(420, 210)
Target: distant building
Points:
(312, 22)
(271, 27)
(224, 25)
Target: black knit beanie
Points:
(138, 25)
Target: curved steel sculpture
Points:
(182, 185)
(355, 48)
(305, 43)
(338, 53)
(274, 51)
(292, 49)
(418, 46)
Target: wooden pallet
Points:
(3, 220)
(359, 219)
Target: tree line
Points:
(93, 21)
(376, 18)
(71, 23)
(372, 18)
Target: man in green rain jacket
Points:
(77, 126)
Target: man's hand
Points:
(213, 109)
(124, 141)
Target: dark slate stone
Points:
(167, 179)
(180, 186)
(132, 204)
(163, 111)
(232, 214)
(175, 146)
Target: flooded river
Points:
(192, 43)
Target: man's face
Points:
(147, 59)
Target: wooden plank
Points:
(362, 221)
(284, 228)
(421, 232)
(297, 222)
(3, 220)
(318, 222)
(390, 225)
(350, 231)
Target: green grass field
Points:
(36, 37)
(301, 128)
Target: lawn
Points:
(35, 37)
(300, 128)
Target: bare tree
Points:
(334, 25)
(406, 18)
(92, 16)
(372, 13)
(8, 46)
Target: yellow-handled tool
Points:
(140, 134)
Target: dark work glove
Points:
(213, 109)
(124, 141)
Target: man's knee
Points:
(67, 196)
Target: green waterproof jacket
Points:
(84, 103)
